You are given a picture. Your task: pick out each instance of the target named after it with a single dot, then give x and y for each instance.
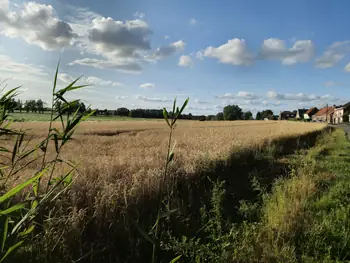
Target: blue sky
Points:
(257, 54)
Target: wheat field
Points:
(131, 155)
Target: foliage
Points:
(220, 116)
(248, 115)
(19, 219)
(232, 112)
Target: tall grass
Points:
(20, 220)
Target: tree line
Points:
(230, 112)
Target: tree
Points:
(220, 116)
(82, 107)
(268, 114)
(258, 115)
(232, 112)
(247, 115)
(122, 112)
(19, 105)
(39, 104)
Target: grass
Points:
(118, 182)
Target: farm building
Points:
(285, 115)
(324, 115)
(300, 114)
(309, 113)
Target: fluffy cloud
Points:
(37, 24)
(234, 52)
(21, 71)
(147, 85)
(152, 99)
(125, 65)
(333, 55)
(91, 80)
(297, 97)
(139, 15)
(119, 39)
(240, 95)
(193, 21)
(301, 51)
(185, 61)
(166, 51)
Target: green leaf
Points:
(19, 187)
(171, 157)
(144, 234)
(11, 249)
(12, 209)
(55, 138)
(14, 151)
(55, 79)
(176, 259)
(27, 231)
(3, 149)
(174, 105)
(184, 105)
(4, 234)
(165, 114)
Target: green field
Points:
(24, 116)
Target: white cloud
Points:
(66, 78)
(124, 64)
(166, 51)
(200, 55)
(37, 24)
(91, 80)
(121, 97)
(147, 86)
(234, 52)
(139, 15)
(333, 55)
(240, 95)
(198, 101)
(297, 97)
(152, 99)
(185, 61)
(16, 70)
(347, 68)
(301, 51)
(193, 21)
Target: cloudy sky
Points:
(141, 54)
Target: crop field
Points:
(120, 166)
(134, 152)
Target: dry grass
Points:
(123, 161)
(132, 154)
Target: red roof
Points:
(324, 111)
(310, 110)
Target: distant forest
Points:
(230, 112)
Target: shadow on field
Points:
(117, 237)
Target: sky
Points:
(279, 55)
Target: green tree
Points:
(39, 104)
(247, 115)
(267, 114)
(220, 116)
(122, 112)
(232, 112)
(258, 115)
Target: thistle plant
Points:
(20, 219)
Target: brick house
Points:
(341, 113)
(324, 115)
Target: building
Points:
(341, 113)
(285, 115)
(300, 114)
(338, 115)
(324, 115)
(309, 113)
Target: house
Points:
(285, 115)
(324, 115)
(300, 114)
(309, 113)
(341, 113)
(338, 115)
